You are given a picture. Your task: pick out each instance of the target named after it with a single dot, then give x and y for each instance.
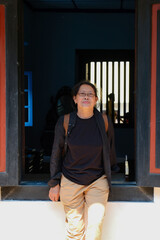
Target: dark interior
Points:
(54, 31)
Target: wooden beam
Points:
(153, 169)
(2, 91)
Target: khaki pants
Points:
(84, 202)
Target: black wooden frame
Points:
(11, 176)
(143, 93)
(12, 188)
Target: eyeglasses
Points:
(83, 94)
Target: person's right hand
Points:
(54, 193)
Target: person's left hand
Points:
(54, 193)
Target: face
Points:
(85, 97)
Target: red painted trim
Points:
(2, 91)
(153, 169)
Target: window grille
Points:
(112, 79)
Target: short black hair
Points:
(79, 84)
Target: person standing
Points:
(83, 178)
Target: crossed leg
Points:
(74, 198)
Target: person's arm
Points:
(56, 159)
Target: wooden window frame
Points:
(12, 188)
(147, 73)
(9, 175)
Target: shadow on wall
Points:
(62, 104)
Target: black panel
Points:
(158, 95)
(119, 193)
(143, 76)
(131, 193)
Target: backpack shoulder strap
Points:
(105, 121)
(66, 123)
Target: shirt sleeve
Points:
(57, 153)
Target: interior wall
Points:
(50, 54)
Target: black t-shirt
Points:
(83, 161)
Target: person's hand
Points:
(54, 193)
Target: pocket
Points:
(65, 189)
(61, 185)
(103, 183)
